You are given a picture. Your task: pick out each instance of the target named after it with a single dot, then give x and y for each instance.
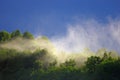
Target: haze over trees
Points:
(43, 65)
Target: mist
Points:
(22, 44)
(91, 34)
(82, 40)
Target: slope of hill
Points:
(37, 59)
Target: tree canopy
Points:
(27, 35)
(5, 36)
(16, 33)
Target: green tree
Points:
(92, 63)
(68, 63)
(16, 33)
(109, 70)
(4, 36)
(53, 64)
(28, 35)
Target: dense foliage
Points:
(6, 36)
(16, 33)
(41, 65)
(16, 65)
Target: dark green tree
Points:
(28, 35)
(109, 70)
(53, 64)
(16, 33)
(92, 63)
(69, 63)
(4, 36)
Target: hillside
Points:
(24, 57)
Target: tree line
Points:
(5, 36)
(39, 65)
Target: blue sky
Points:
(50, 17)
(71, 25)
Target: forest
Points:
(41, 64)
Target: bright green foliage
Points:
(4, 36)
(27, 35)
(16, 33)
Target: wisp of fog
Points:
(81, 40)
(90, 34)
